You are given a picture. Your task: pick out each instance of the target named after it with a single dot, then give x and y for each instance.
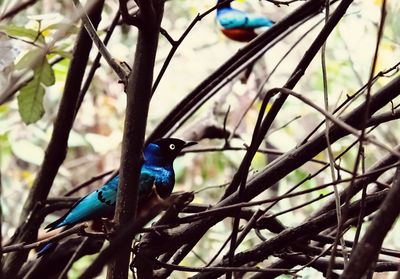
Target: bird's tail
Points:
(48, 247)
(56, 224)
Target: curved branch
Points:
(120, 71)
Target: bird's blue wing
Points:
(98, 203)
(255, 21)
(230, 18)
(101, 202)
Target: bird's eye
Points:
(172, 146)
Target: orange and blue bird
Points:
(238, 25)
(157, 175)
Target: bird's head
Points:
(223, 4)
(164, 151)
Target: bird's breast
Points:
(240, 34)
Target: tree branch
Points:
(273, 173)
(55, 238)
(338, 122)
(120, 71)
(138, 100)
(367, 251)
(17, 8)
(303, 231)
(209, 86)
(57, 148)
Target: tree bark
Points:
(137, 107)
(265, 179)
(367, 251)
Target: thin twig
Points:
(361, 215)
(320, 197)
(19, 6)
(67, 267)
(120, 71)
(225, 269)
(384, 73)
(361, 136)
(87, 183)
(285, 3)
(338, 122)
(211, 211)
(220, 250)
(264, 82)
(327, 124)
(23, 246)
(96, 63)
(176, 43)
(249, 226)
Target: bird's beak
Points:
(189, 143)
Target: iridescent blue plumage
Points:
(156, 172)
(239, 25)
(230, 18)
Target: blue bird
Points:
(239, 25)
(156, 173)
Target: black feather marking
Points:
(101, 198)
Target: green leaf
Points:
(30, 101)
(28, 59)
(43, 70)
(45, 73)
(19, 31)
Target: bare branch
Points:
(120, 71)
(368, 249)
(265, 249)
(284, 3)
(137, 108)
(22, 246)
(17, 8)
(340, 123)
